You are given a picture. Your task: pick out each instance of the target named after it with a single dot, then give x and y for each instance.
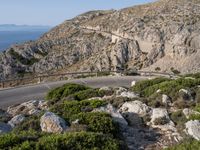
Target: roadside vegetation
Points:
(94, 131)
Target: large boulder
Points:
(136, 107)
(193, 128)
(16, 120)
(52, 123)
(113, 112)
(4, 128)
(160, 119)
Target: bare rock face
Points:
(156, 35)
(193, 129)
(52, 123)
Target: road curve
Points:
(18, 95)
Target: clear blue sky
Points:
(53, 12)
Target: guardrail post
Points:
(3, 84)
(39, 79)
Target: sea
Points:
(8, 38)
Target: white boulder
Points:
(113, 112)
(160, 119)
(135, 107)
(52, 123)
(193, 129)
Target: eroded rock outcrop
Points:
(158, 35)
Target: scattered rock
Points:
(128, 94)
(135, 107)
(186, 95)
(52, 123)
(120, 90)
(158, 91)
(166, 100)
(193, 129)
(105, 88)
(188, 112)
(26, 107)
(160, 119)
(4, 128)
(16, 120)
(113, 112)
(133, 83)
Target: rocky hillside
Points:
(163, 36)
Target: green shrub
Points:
(89, 93)
(97, 122)
(171, 87)
(69, 108)
(78, 141)
(74, 140)
(142, 85)
(194, 117)
(32, 122)
(179, 119)
(188, 144)
(64, 91)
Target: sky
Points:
(54, 12)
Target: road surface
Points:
(18, 95)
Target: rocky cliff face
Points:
(164, 34)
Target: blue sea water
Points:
(8, 38)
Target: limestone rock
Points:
(119, 90)
(16, 120)
(133, 83)
(166, 100)
(128, 94)
(113, 112)
(136, 107)
(193, 129)
(160, 119)
(52, 123)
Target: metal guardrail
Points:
(39, 78)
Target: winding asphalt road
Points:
(18, 95)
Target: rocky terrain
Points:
(162, 36)
(153, 114)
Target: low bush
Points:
(32, 122)
(179, 119)
(78, 141)
(142, 85)
(68, 108)
(75, 140)
(64, 91)
(189, 144)
(170, 87)
(97, 122)
(89, 93)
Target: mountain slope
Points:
(163, 34)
